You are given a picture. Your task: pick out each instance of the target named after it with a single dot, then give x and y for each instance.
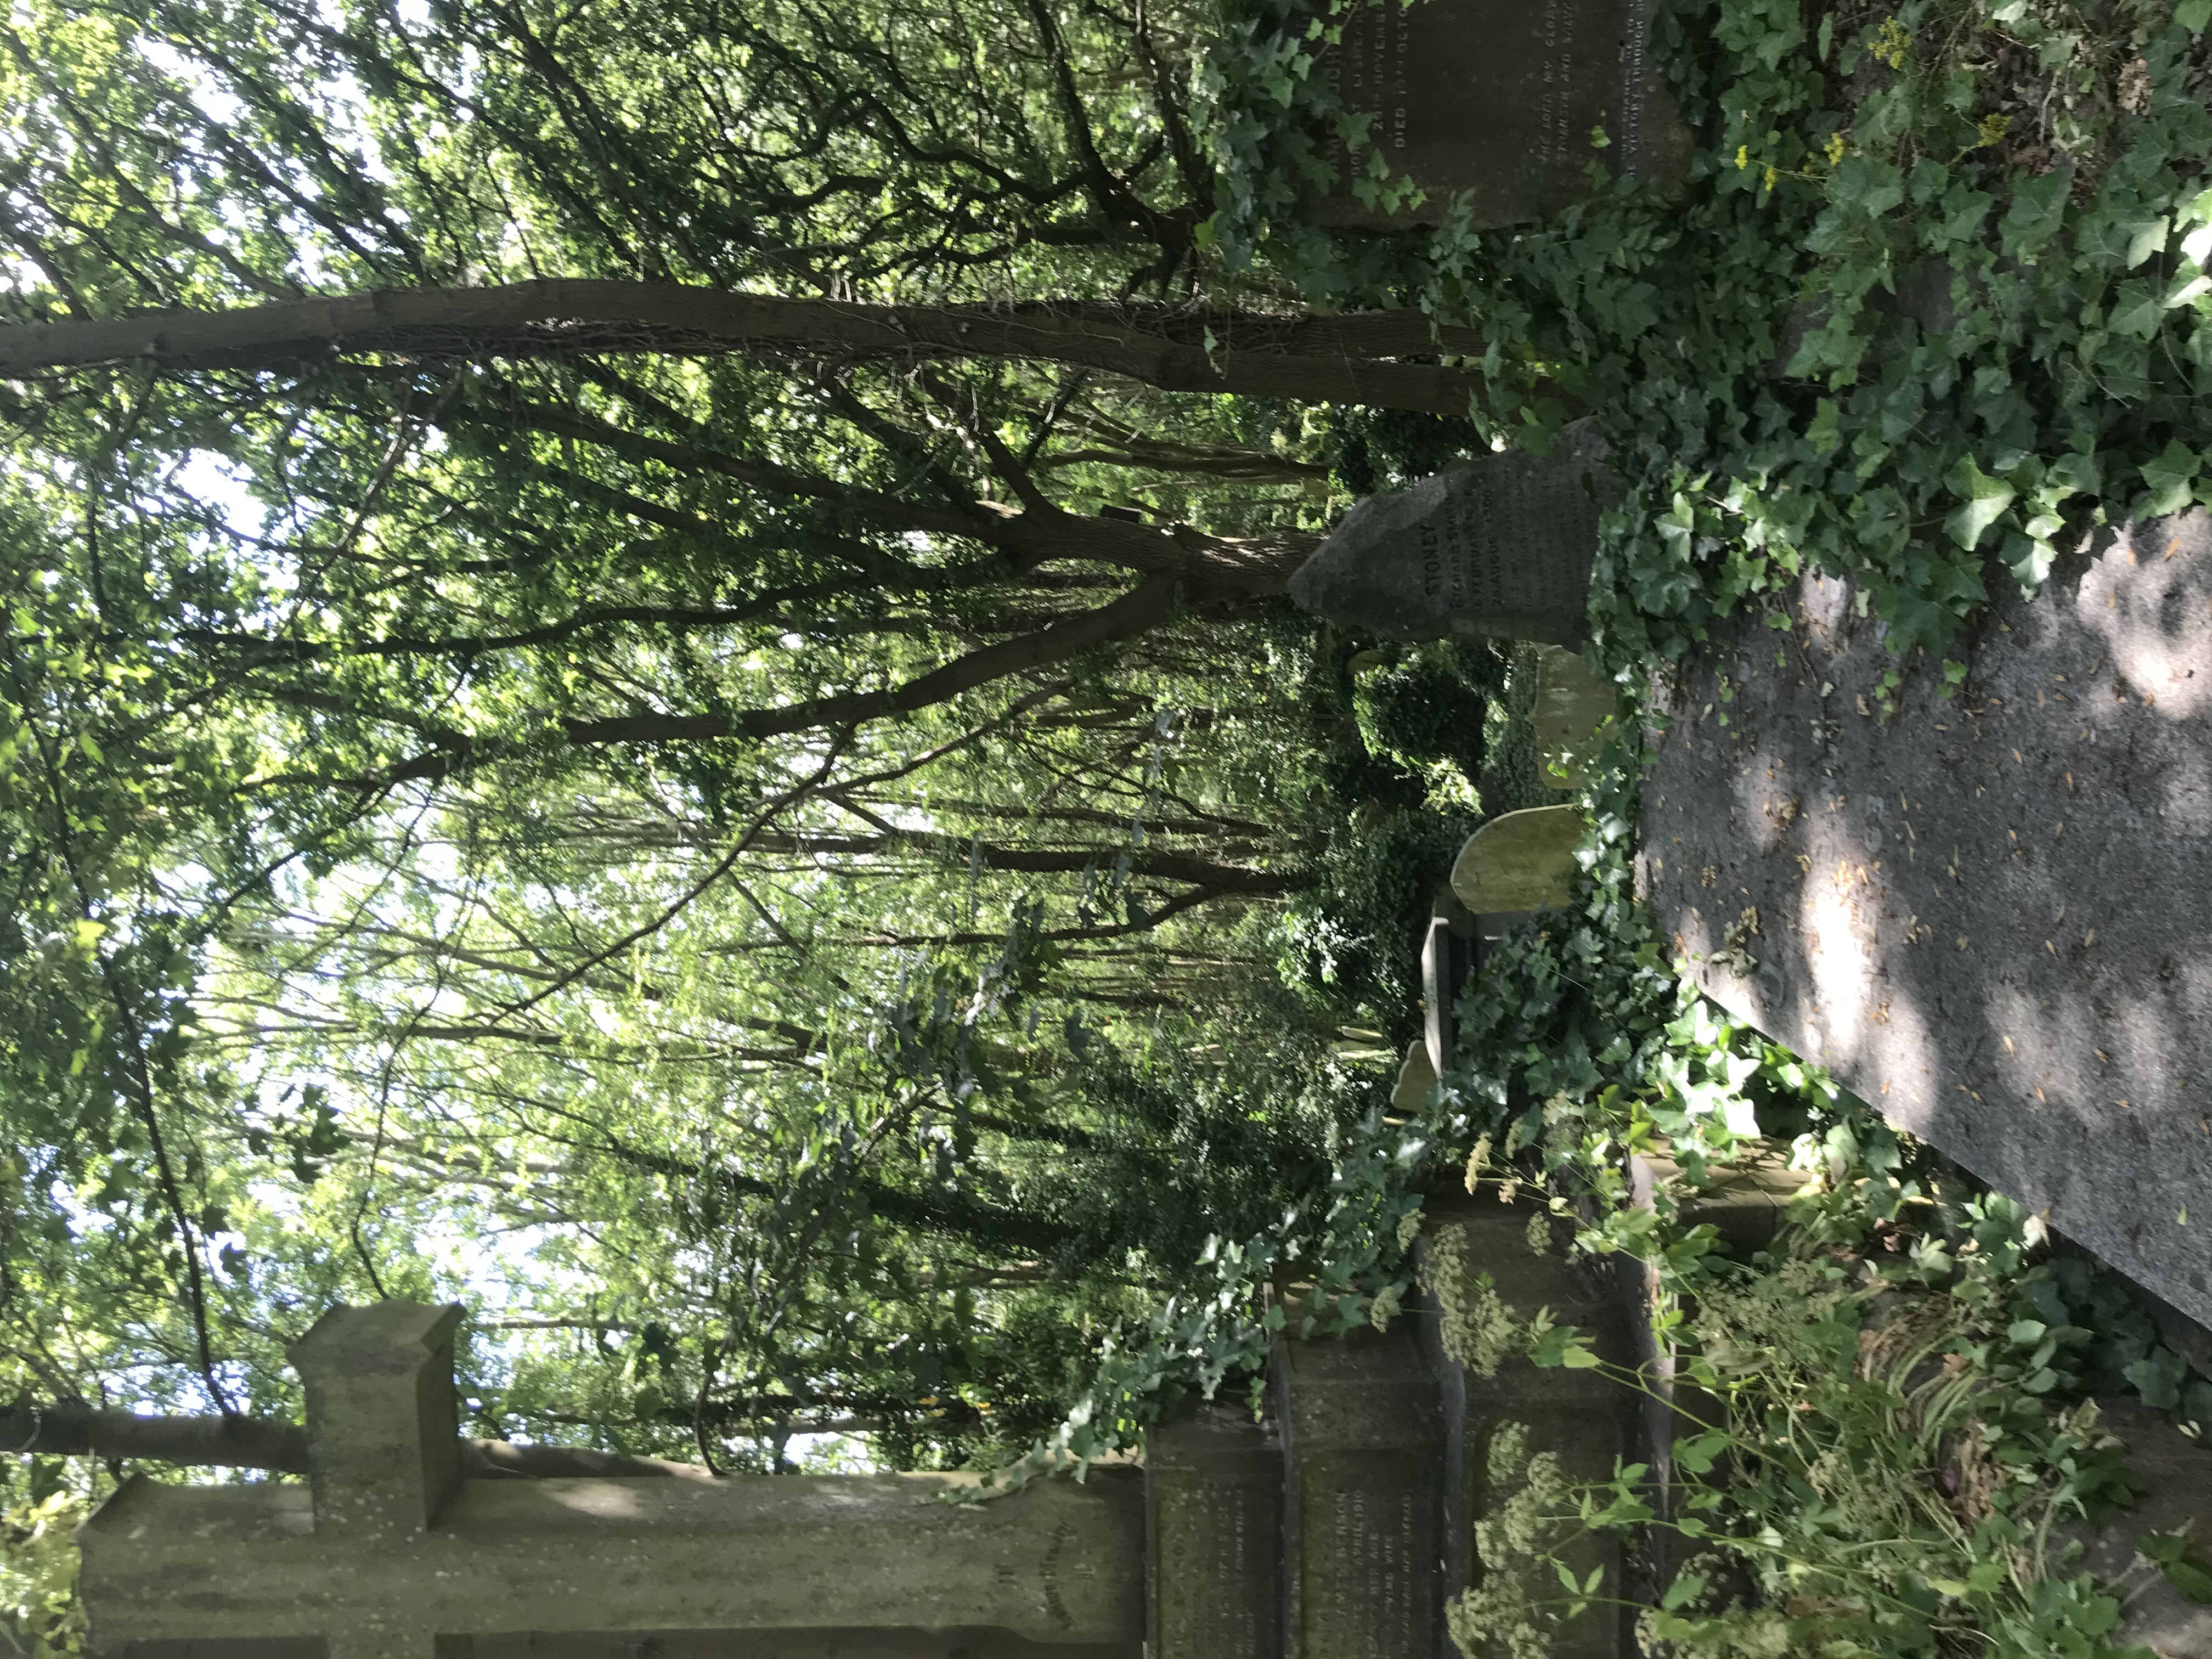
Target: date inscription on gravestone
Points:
(1498, 100)
(1500, 546)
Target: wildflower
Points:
(1992, 129)
(1836, 147)
(1893, 43)
(1742, 157)
(1772, 175)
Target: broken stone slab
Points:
(1494, 108)
(1417, 1075)
(1501, 545)
(1572, 706)
(1518, 862)
(1987, 915)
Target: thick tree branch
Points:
(1322, 359)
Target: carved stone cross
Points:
(388, 1553)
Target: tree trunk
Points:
(1344, 358)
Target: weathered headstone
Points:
(1522, 860)
(1498, 102)
(386, 1556)
(1213, 1500)
(1500, 546)
(1363, 1444)
(1986, 913)
(1502, 1413)
(1450, 950)
(1572, 704)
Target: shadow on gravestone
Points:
(1499, 545)
(1495, 104)
(1521, 860)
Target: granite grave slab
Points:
(1500, 546)
(1989, 916)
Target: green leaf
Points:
(2193, 15)
(1689, 1585)
(2169, 476)
(2185, 1576)
(1986, 500)
(2038, 207)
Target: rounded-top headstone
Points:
(1519, 861)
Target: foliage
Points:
(39, 1615)
(1935, 304)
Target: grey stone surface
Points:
(1363, 1444)
(383, 1456)
(1501, 545)
(1522, 860)
(1417, 1075)
(2175, 1473)
(814, 1563)
(1214, 1504)
(1498, 102)
(1578, 1417)
(1990, 916)
(1572, 706)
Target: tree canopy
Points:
(645, 683)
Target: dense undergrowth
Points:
(1935, 302)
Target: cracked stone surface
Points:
(1989, 916)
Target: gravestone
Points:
(1213, 1498)
(1522, 860)
(1362, 1443)
(1497, 103)
(1501, 1411)
(1572, 706)
(1499, 545)
(387, 1554)
(1986, 914)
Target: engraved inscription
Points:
(1374, 1607)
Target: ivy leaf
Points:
(1986, 500)
(2169, 476)
(2039, 205)
(2185, 1575)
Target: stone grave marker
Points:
(1572, 704)
(387, 1554)
(1986, 914)
(1363, 1442)
(1499, 1412)
(1522, 860)
(1497, 102)
(1500, 544)
(1214, 1496)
